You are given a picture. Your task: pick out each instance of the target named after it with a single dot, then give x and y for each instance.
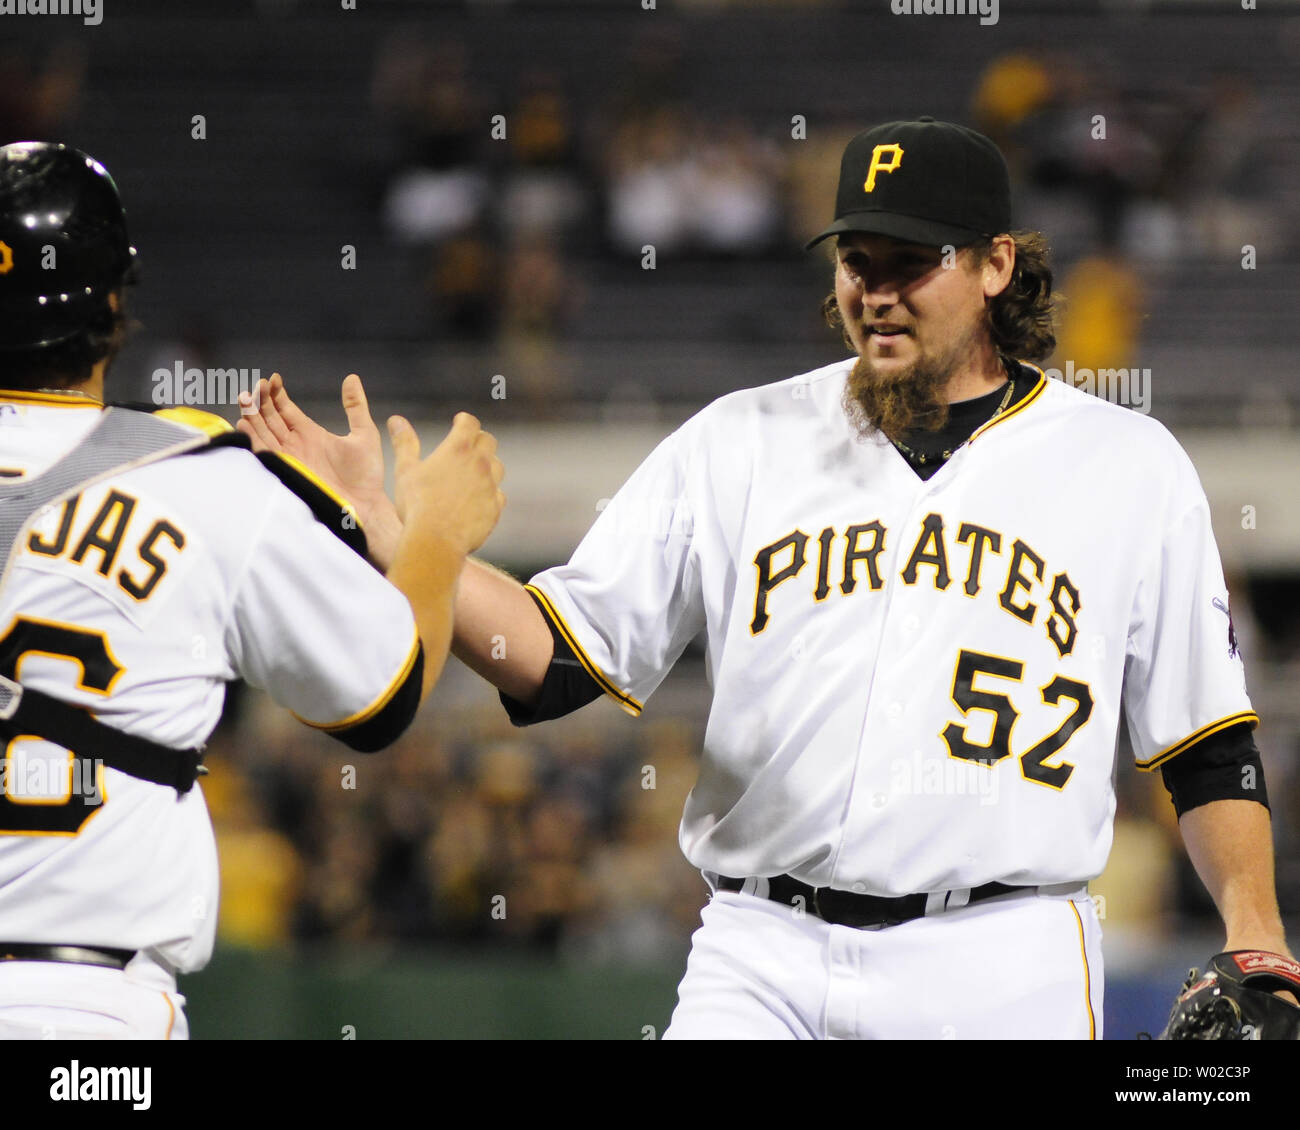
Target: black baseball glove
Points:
(1233, 999)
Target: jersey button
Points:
(894, 711)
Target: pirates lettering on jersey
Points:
(97, 544)
(1022, 577)
(979, 538)
(929, 551)
(855, 552)
(1016, 579)
(768, 578)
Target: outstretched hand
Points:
(352, 464)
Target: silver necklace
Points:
(922, 458)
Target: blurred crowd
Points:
(1127, 178)
(526, 212)
(468, 832)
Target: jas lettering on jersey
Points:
(974, 558)
(98, 542)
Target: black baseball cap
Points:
(923, 181)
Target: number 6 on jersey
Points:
(40, 810)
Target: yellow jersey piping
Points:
(311, 476)
(626, 701)
(50, 399)
(1191, 739)
(375, 707)
(1034, 393)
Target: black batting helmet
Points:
(63, 243)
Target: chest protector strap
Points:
(121, 441)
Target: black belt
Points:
(73, 955)
(844, 908)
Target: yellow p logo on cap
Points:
(6, 258)
(878, 166)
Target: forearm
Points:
(382, 533)
(1230, 843)
(500, 633)
(383, 529)
(425, 569)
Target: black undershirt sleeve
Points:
(566, 688)
(1224, 766)
(388, 724)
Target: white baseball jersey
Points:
(140, 600)
(916, 684)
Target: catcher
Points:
(147, 559)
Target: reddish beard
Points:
(898, 401)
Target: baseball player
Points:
(147, 560)
(930, 580)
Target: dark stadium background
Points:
(507, 276)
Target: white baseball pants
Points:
(1020, 967)
(46, 1000)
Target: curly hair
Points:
(1022, 317)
